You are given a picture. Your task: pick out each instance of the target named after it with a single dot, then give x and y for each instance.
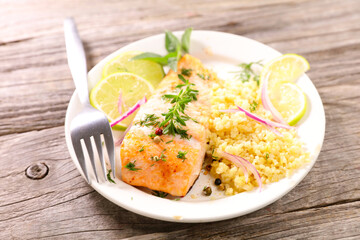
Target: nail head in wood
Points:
(37, 171)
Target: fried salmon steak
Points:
(166, 162)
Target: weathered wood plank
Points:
(35, 88)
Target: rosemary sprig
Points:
(247, 73)
(186, 72)
(176, 117)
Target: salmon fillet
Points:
(156, 165)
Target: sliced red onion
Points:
(236, 159)
(269, 124)
(119, 104)
(118, 142)
(267, 103)
(129, 112)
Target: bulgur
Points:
(274, 157)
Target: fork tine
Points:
(80, 156)
(97, 140)
(91, 155)
(109, 143)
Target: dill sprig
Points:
(176, 117)
(247, 73)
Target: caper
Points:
(207, 191)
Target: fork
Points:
(90, 123)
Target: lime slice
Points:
(290, 101)
(151, 71)
(105, 95)
(286, 68)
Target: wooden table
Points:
(35, 88)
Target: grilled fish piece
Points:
(156, 163)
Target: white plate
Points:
(221, 52)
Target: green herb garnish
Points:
(247, 73)
(109, 177)
(152, 135)
(149, 120)
(253, 106)
(181, 155)
(159, 194)
(170, 141)
(174, 47)
(141, 149)
(176, 117)
(214, 157)
(266, 156)
(162, 157)
(131, 166)
(186, 72)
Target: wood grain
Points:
(36, 86)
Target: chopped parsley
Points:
(186, 72)
(109, 177)
(247, 73)
(162, 157)
(131, 166)
(152, 135)
(149, 120)
(141, 149)
(266, 156)
(181, 155)
(253, 106)
(159, 194)
(176, 117)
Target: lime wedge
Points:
(151, 71)
(286, 68)
(105, 95)
(290, 101)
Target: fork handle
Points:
(76, 60)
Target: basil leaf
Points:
(172, 62)
(171, 42)
(185, 40)
(152, 57)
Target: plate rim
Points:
(100, 188)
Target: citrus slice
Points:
(290, 101)
(286, 68)
(105, 95)
(151, 71)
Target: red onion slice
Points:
(247, 164)
(269, 124)
(118, 142)
(267, 103)
(234, 159)
(129, 112)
